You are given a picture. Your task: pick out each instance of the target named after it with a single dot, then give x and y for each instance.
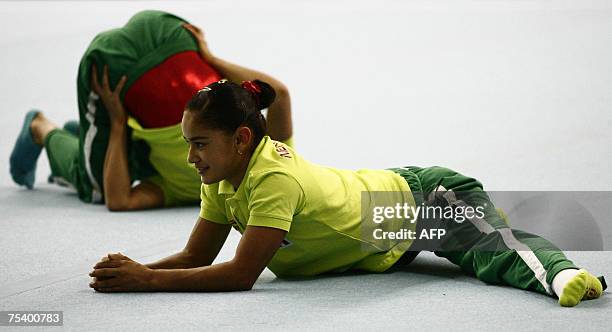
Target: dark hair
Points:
(226, 105)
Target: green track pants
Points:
(63, 153)
(484, 247)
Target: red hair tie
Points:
(253, 88)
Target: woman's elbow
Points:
(281, 91)
(243, 279)
(245, 284)
(117, 206)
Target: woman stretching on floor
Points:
(301, 219)
(100, 160)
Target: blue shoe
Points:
(25, 154)
(72, 126)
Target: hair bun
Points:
(266, 94)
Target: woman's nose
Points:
(192, 157)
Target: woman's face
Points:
(212, 151)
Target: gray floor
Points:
(514, 93)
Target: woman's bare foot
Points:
(40, 128)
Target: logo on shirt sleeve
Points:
(281, 149)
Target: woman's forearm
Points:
(180, 260)
(236, 73)
(117, 182)
(214, 278)
(279, 113)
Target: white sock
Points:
(561, 279)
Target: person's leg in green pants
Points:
(63, 153)
(488, 249)
(66, 153)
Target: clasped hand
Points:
(119, 273)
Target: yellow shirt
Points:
(178, 179)
(319, 207)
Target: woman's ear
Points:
(244, 137)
